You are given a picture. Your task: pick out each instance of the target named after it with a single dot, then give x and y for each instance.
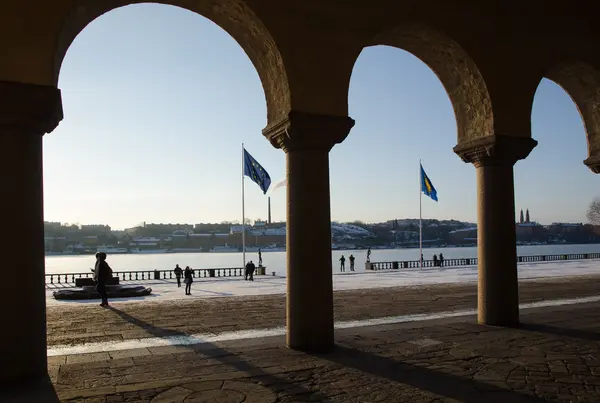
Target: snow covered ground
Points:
(264, 285)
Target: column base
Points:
(312, 348)
(499, 323)
(35, 390)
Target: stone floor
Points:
(553, 356)
(78, 324)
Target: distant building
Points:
(96, 228)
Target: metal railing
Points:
(415, 264)
(69, 278)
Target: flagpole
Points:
(420, 214)
(243, 215)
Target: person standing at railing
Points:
(369, 255)
(178, 272)
(188, 280)
(435, 260)
(342, 264)
(441, 260)
(102, 273)
(351, 259)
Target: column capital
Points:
(29, 108)
(308, 131)
(495, 150)
(593, 163)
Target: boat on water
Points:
(147, 251)
(111, 250)
(269, 248)
(185, 250)
(224, 249)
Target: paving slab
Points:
(553, 356)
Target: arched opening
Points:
(552, 182)
(455, 69)
(155, 114)
(582, 83)
(234, 16)
(412, 98)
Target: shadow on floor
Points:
(561, 331)
(276, 383)
(450, 386)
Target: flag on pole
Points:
(427, 186)
(256, 172)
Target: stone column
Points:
(307, 139)
(27, 112)
(498, 290)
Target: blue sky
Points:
(158, 100)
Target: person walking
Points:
(250, 267)
(369, 255)
(188, 280)
(351, 259)
(342, 264)
(178, 272)
(259, 258)
(102, 273)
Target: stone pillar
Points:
(498, 290)
(307, 139)
(27, 112)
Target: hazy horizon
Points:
(157, 101)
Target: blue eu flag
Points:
(427, 186)
(256, 172)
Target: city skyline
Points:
(156, 111)
(525, 212)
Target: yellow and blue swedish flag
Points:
(256, 172)
(427, 186)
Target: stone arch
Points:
(582, 82)
(233, 16)
(456, 70)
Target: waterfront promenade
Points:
(554, 356)
(77, 324)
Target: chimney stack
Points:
(269, 209)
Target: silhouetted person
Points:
(351, 259)
(102, 273)
(441, 260)
(188, 279)
(259, 258)
(250, 267)
(178, 272)
(369, 254)
(435, 260)
(342, 263)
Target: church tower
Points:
(527, 216)
(521, 217)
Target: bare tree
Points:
(593, 213)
